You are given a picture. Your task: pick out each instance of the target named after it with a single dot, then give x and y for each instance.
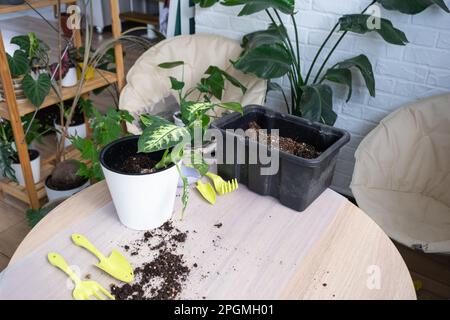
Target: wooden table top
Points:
(332, 250)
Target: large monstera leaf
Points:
(341, 73)
(267, 61)
(359, 23)
(36, 89)
(159, 134)
(317, 104)
(412, 6)
(274, 34)
(253, 6)
(206, 3)
(341, 76)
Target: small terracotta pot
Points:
(63, 20)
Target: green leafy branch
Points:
(160, 134)
(269, 54)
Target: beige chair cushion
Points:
(402, 174)
(148, 86)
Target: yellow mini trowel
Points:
(115, 265)
(207, 191)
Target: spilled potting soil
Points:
(163, 277)
(289, 145)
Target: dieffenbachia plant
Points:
(32, 55)
(269, 53)
(161, 134)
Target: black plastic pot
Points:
(298, 181)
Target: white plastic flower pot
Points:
(177, 119)
(70, 79)
(142, 201)
(53, 194)
(78, 130)
(35, 161)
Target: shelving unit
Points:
(13, 110)
(152, 21)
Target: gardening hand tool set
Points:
(222, 187)
(116, 265)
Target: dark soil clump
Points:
(163, 277)
(64, 176)
(289, 145)
(138, 164)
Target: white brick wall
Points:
(403, 74)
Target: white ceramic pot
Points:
(78, 130)
(142, 201)
(53, 194)
(70, 79)
(177, 119)
(35, 168)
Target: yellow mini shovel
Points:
(115, 265)
(207, 191)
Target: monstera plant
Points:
(269, 53)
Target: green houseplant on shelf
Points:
(28, 67)
(105, 128)
(9, 160)
(145, 169)
(64, 180)
(270, 54)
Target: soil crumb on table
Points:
(289, 145)
(163, 277)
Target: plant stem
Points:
(293, 93)
(295, 70)
(297, 40)
(323, 47)
(288, 43)
(329, 56)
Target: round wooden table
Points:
(337, 251)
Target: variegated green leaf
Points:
(191, 111)
(159, 134)
(233, 106)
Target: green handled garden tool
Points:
(84, 290)
(115, 265)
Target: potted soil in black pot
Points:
(307, 154)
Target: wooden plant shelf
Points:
(12, 110)
(101, 79)
(20, 192)
(140, 17)
(35, 3)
